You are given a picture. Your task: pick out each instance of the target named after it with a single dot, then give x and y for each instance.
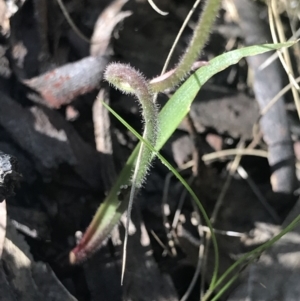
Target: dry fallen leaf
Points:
(105, 25)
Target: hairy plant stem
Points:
(128, 80)
(200, 37)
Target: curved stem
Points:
(128, 80)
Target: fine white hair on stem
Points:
(183, 26)
(129, 80)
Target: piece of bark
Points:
(105, 25)
(239, 112)
(22, 279)
(103, 139)
(267, 83)
(61, 85)
(50, 141)
(25, 166)
(9, 175)
(35, 134)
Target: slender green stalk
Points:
(224, 288)
(184, 24)
(200, 37)
(128, 80)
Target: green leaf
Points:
(179, 104)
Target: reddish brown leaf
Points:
(61, 85)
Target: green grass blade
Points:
(225, 288)
(179, 104)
